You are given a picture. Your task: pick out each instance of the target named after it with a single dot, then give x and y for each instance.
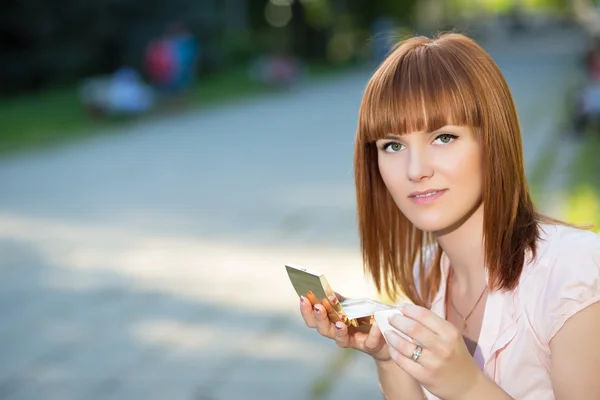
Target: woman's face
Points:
(435, 178)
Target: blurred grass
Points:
(34, 120)
(582, 203)
(55, 116)
(504, 6)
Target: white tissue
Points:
(381, 317)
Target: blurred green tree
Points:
(48, 42)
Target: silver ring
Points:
(417, 353)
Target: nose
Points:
(419, 167)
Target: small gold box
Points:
(314, 286)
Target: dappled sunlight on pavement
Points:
(237, 274)
(118, 309)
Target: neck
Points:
(463, 244)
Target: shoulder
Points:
(564, 247)
(563, 279)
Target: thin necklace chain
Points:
(470, 312)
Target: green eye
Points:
(392, 147)
(445, 138)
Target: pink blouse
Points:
(517, 326)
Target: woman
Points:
(505, 301)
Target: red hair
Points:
(424, 85)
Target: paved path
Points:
(148, 263)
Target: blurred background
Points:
(161, 160)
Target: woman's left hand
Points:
(445, 367)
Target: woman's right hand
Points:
(318, 317)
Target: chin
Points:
(430, 226)
(432, 222)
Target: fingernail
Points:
(334, 300)
(302, 298)
(339, 325)
(344, 318)
(316, 309)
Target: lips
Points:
(426, 193)
(426, 197)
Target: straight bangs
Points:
(418, 89)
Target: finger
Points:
(341, 336)
(416, 331)
(425, 317)
(416, 370)
(374, 340)
(306, 310)
(332, 314)
(324, 326)
(406, 350)
(312, 298)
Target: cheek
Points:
(390, 174)
(463, 169)
(394, 177)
